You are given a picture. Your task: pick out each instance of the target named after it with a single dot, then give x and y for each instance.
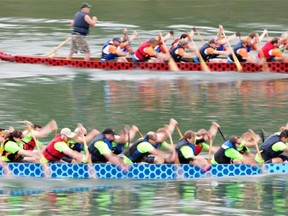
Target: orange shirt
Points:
(242, 52)
(112, 49)
(150, 51)
(180, 51)
(275, 52)
(209, 51)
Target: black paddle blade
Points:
(262, 135)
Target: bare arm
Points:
(111, 158)
(251, 59)
(75, 155)
(285, 149)
(50, 127)
(91, 21)
(265, 32)
(221, 52)
(159, 153)
(26, 153)
(127, 135)
(88, 137)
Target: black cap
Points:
(109, 131)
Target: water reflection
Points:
(148, 103)
(265, 195)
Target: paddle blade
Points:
(204, 66)
(237, 63)
(173, 65)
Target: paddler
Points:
(59, 147)
(146, 52)
(34, 131)
(230, 153)
(273, 147)
(186, 151)
(12, 149)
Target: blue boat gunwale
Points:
(137, 171)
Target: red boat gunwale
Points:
(276, 67)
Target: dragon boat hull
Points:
(137, 171)
(276, 67)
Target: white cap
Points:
(67, 132)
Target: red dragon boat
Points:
(276, 67)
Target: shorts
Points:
(80, 44)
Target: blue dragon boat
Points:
(137, 171)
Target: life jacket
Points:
(235, 49)
(133, 154)
(29, 145)
(198, 146)
(96, 157)
(266, 147)
(175, 56)
(76, 146)
(140, 53)
(220, 156)
(266, 49)
(173, 44)
(50, 153)
(205, 56)
(80, 25)
(106, 55)
(13, 157)
(182, 143)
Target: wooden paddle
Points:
(36, 142)
(236, 61)
(139, 133)
(210, 149)
(53, 52)
(265, 66)
(30, 129)
(179, 132)
(203, 64)
(199, 36)
(256, 145)
(172, 64)
(88, 156)
(174, 154)
(45, 166)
